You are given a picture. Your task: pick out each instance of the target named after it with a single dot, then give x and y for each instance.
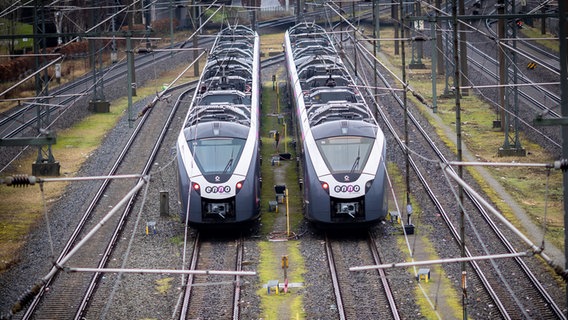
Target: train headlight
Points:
(239, 186)
(325, 186)
(196, 187)
(368, 185)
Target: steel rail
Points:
(85, 217)
(113, 77)
(334, 279)
(126, 212)
(540, 107)
(140, 62)
(555, 308)
(430, 192)
(552, 96)
(553, 68)
(190, 278)
(238, 267)
(382, 274)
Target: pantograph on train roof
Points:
(310, 29)
(328, 89)
(223, 103)
(313, 51)
(328, 80)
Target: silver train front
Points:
(214, 199)
(343, 150)
(218, 153)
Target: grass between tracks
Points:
(438, 288)
(535, 33)
(529, 187)
(290, 305)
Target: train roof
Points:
(314, 51)
(224, 90)
(306, 28)
(344, 128)
(315, 61)
(224, 105)
(215, 130)
(329, 92)
(338, 110)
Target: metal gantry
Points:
(45, 162)
(417, 27)
(509, 94)
(449, 65)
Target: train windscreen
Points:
(345, 154)
(217, 155)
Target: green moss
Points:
(177, 240)
(282, 306)
(552, 44)
(163, 285)
(270, 122)
(441, 285)
(277, 306)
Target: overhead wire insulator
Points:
(20, 180)
(561, 164)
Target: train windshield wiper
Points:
(228, 166)
(356, 162)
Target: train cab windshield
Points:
(217, 155)
(345, 154)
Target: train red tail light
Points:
(325, 186)
(239, 186)
(196, 187)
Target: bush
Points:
(163, 25)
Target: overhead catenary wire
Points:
(31, 75)
(545, 165)
(498, 41)
(396, 202)
(536, 249)
(37, 287)
(561, 164)
(495, 104)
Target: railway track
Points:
(372, 297)
(65, 97)
(541, 100)
(207, 294)
(530, 51)
(235, 299)
(524, 298)
(70, 293)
